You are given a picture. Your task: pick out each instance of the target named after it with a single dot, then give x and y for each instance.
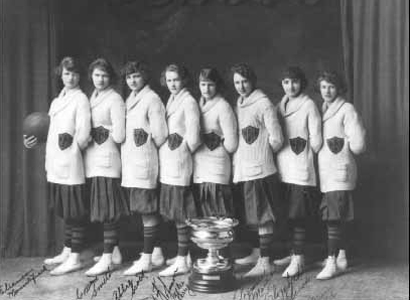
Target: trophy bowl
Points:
(213, 274)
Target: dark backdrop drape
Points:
(28, 54)
(376, 59)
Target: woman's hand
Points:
(30, 141)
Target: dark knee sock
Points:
(333, 237)
(68, 234)
(150, 237)
(299, 237)
(183, 233)
(344, 240)
(265, 241)
(110, 236)
(78, 237)
(254, 238)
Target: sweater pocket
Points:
(141, 170)
(252, 169)
(61, 168)
(341, 173)
(104, 160)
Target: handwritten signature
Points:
(264, 289)
(96, 284)
(128, 285)
(13, 288)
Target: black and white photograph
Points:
(204, 149)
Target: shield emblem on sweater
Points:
(174, 141)
(250, 134)
(99, 134)
(64, 140)
(297, 145)
(335, 144)
(140, 137)
(212, 140)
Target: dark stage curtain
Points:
(27, 50)
(376, 58)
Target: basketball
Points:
(37, 124)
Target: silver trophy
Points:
(213, 274)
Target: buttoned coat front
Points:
(146, 131)
(107, 113)
(69, 116)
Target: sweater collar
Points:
(332, 109)
(174, 102)
(133, 99)
(99, 96)
(252, 98)
(63, 99)
(289, 106)
(206, 106)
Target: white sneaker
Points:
(116, 256)
(62, 257)
(103, 265)
(71, 264)
(330, 270)
(262, 268)
(171, 261)
(296, 266)
(250, 259)
(341, 260)
(283, 261)
(179, 267)
(143, 264)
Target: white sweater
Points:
(259, 136)
(146, 131)
(212, 162)
(302, 127)
(107, 112)
(344, 135)
(69, 114)
(183, 127)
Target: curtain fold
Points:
(375, 37)
(27, 225)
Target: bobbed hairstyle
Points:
(70, 64)
(333, 78)
(245, 71)
(182, 72)
(141, 67)
(297, 74)
(212, 74)
(104, 65)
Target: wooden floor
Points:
(26, 278)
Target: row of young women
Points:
(104, 159)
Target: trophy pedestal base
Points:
(215, 281)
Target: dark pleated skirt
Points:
(261, 201)
(143, 201)
(337, 206)
(69, 201)
(177, 203)
(302, 201)
(108, 201)
(214, 199)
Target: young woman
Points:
(254, 168)
(212, 162)
(344, 136)
(176, 198)
(67, 136)
(146, 131)
(303, 138)
(103, 161)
